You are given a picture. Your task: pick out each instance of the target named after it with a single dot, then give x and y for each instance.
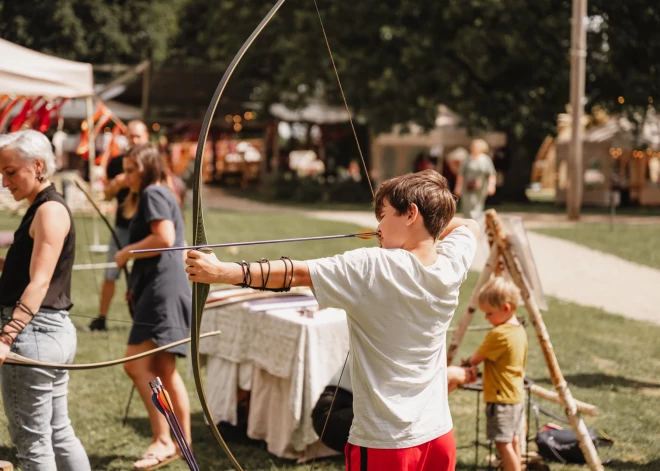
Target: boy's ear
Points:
(412, 213)
(506, 307)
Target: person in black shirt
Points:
(116, 188)
(35, 299)
(162, 300)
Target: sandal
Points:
(160, 462)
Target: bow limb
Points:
(115, 237)
(200, 291)
(18, 360)
(15, 359)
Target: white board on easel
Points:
(517, 236)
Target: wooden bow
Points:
(18, 360)
(200, 291)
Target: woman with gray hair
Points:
(35, 298)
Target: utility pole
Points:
(578, 70)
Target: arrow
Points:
(363, 234)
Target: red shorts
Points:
(436, 455)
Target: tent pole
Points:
(96, 245)
(575, 150)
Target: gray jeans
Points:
(35, 399)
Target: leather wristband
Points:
(6, 338)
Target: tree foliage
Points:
(96, 31)
(500, 64)
(624, 59)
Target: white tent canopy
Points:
(24, 72)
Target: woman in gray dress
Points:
(476, 180)
(160, 293)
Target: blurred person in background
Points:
(116, 187)
(476, 180)
(161, 295)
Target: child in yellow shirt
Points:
(504, 353)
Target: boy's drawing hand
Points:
(461, 374)
(471, 374)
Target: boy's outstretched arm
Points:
(206, 268)
(456, 222)
(475, 359)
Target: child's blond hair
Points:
(481, 145)
(499, 291)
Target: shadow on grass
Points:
(469, 465)
(619, 465)
(8, 453)
(104, 461)
(598, 380)
(140, 425)
(594, 380)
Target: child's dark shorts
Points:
(503, 421)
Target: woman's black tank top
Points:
(16, 273)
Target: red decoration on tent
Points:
(45, 119)
(112, 150)
(7, 109)
(36, 114)
(22, 116)
(83, 147)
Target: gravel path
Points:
(567, 270)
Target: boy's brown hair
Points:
(499, 291)
(428, 190)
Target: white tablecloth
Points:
(285, 351)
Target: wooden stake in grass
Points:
(514, 268)
(552, 396)
(468, 314)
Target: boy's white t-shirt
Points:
(398, 313)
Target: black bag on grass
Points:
(562, 445)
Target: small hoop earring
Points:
(40, 178)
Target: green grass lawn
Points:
(635, 242)
(608, 360)
(262, 196)
(552, 208)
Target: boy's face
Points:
(392, 227)
(497, 315)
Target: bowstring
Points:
(371, 188)
(343, 96)
(98, 297)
